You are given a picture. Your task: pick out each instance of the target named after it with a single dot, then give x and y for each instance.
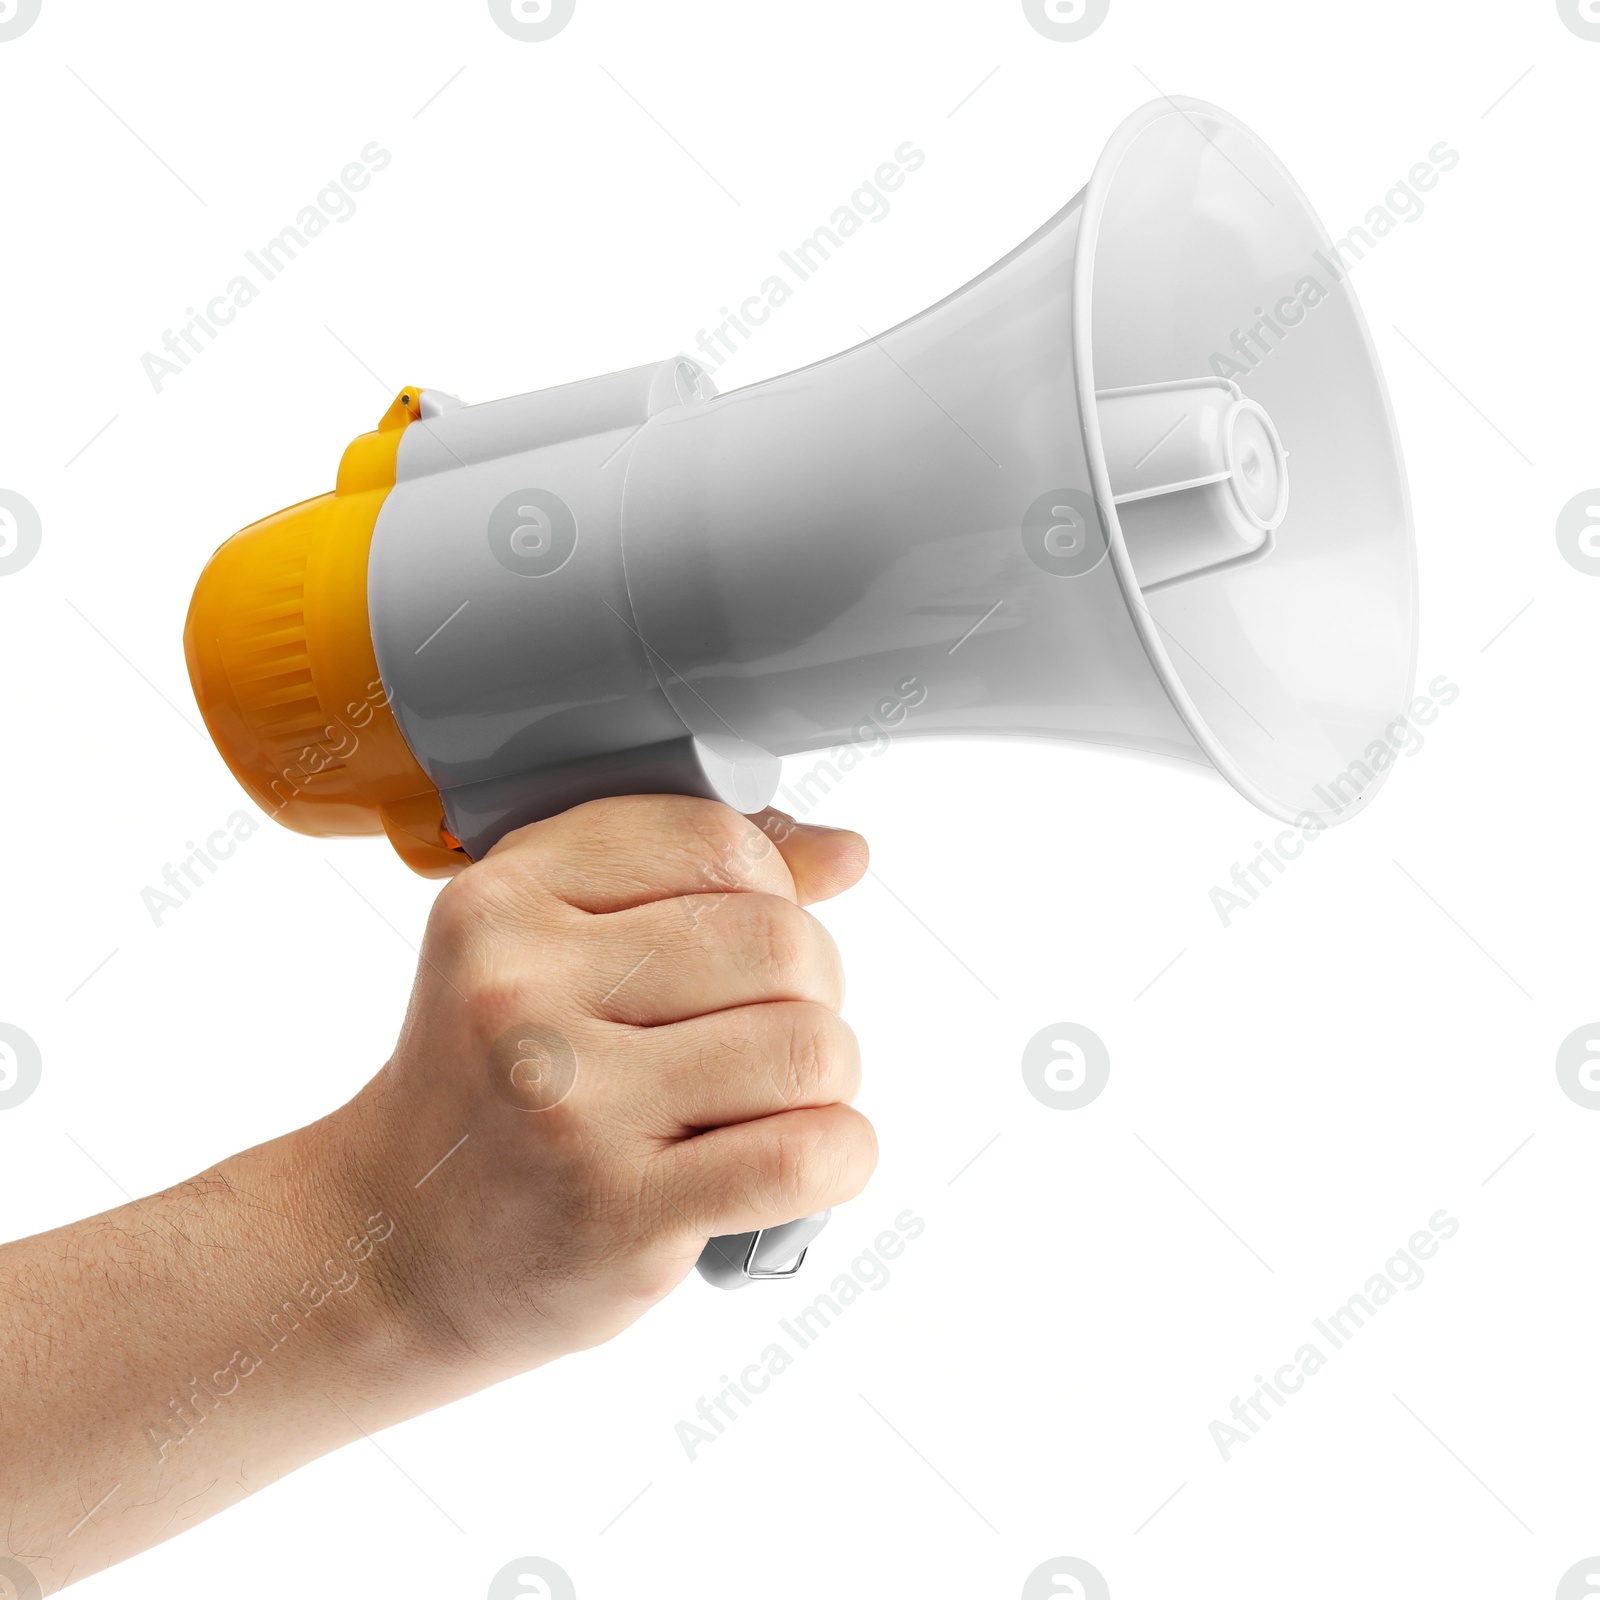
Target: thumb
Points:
(822, 861)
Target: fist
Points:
(624, 1038)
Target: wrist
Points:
(353, 1264)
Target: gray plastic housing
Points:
(759, 573)
(733, 1260)
(956, 527)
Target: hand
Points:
(625, 1032)
(624, 1038)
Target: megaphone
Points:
(1057, 504)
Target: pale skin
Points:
(624, 1037)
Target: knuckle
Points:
(864, 1153)
(460, 910)
(474, 943)
(816, 1063)
(497, 901)
(776, 938)
(727, 846)
(835, 1158)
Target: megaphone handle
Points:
(731, 1260)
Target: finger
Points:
(676, 959)
(736, 1066)
(610, 855)
(764, 1173)
(822, 861)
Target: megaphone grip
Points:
(731, 1260)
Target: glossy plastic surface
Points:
(1201, 255)
(281, 660)
(735, 1260)
(869, 541)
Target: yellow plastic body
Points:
(279, 647)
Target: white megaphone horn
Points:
(1136, 485)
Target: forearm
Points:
(168, 1358)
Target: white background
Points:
(1293, 1096)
